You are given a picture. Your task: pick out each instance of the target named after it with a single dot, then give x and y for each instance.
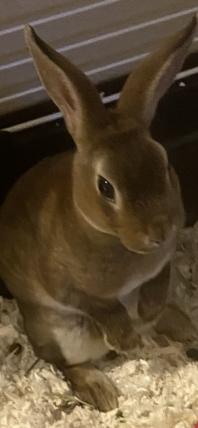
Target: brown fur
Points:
(68, 254)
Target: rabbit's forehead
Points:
(130, 155)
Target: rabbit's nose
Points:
(148, 244)
(154, 243)
(159, 231)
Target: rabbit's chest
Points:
(143, 272)
(119, 274)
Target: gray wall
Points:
(106, 38)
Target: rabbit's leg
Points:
(176, 325)
(153, 295)
(72, 342)
(170, 319)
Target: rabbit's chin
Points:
(142, 251)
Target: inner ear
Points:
(69, 88)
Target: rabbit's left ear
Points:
(151, 79)
(69, 88)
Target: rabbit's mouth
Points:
(144, 244)
(144, 251)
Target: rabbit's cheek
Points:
(95, 218)
(94, 211)
(132, 234)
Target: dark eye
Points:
(106, 188)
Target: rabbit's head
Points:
(123, 183)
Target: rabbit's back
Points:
(31, 222)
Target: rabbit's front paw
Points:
(93, 387)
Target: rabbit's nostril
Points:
(154, 243)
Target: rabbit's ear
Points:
(150, 80)
(68, 87)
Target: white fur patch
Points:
(78, 346)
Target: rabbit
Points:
(81, 230)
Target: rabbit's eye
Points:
(106, 188)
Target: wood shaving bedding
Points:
(158, 383)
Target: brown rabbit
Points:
(80, 230)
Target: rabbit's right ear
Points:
(69, 88)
